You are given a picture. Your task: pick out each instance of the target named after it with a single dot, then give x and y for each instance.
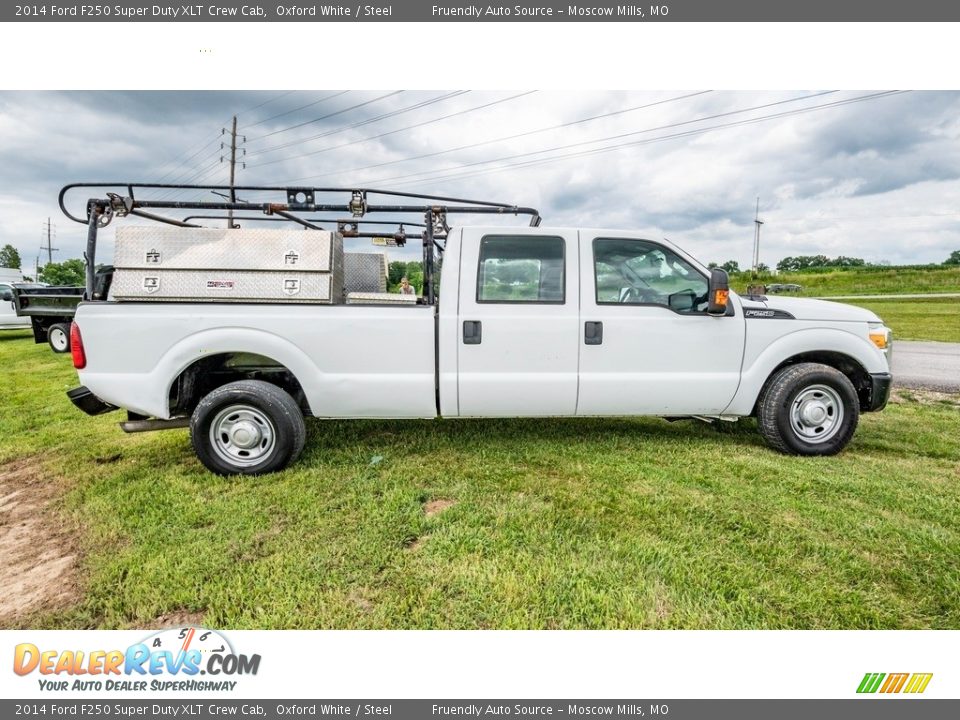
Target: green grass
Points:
(864, 281)
(616, 523)
(919, 318)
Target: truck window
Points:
(521, 268)
(640, 272)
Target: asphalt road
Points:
(926, 365)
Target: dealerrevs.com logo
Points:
(181, 659)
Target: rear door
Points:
(518, 323)
(647, 345)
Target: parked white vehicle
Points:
(530, 322)
(8, 310)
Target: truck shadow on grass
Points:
(469, 434)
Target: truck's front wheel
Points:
(249, 427)
(808, 409)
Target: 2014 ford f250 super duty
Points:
(530, 322)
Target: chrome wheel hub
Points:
(242, 435)
(816, 414)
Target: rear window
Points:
(521, 269)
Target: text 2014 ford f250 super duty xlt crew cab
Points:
(530, 322)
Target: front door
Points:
(518, 323)
(8, 311)
(647, 345)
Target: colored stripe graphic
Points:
(870, 682)
(894, 682)
(918, 683)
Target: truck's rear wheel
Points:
(808, 409)
(249, 427)
(58, 336)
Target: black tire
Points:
(808, 409)
(261, 429)
(58, 337)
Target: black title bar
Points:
(535, 11)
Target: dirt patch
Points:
(39, 552)
(176, 619)
(924, 397)
(437, 506)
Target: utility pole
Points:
(49, 246)
(757, 222)
(233, 164)
(233, 168)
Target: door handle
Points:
(472, 332)
(593, 333)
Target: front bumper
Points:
(879, 392)
(88, 402)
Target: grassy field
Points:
(919, 318)
(865, 281)
(497, 524)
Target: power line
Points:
(328, 115)
(296, 109)
(191, 180)
(176, 163)
(187, 170)
(368, 121)
(266, 102)
(597, 151)
(501, 139)
(561, 147)
(416, 125)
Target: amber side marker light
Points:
(879, 339)
(720, 297)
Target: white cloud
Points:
(877, 180)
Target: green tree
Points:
(415, 274)
(788, 264)
(68, 272)
(9, 257)
(731, 266)
(395, 271)
(954, 258)
(763, 268)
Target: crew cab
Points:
(529, 322)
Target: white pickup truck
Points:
(529, 322)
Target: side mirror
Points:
(7, 296)
(718, 293)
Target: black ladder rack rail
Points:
(434, 209)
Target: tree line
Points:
(801, 263)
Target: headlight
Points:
(881, 336)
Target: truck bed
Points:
(351, 361)
(47, 301)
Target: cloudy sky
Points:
(865, 174)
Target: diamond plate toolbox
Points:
(365, 272)
(227, 265)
